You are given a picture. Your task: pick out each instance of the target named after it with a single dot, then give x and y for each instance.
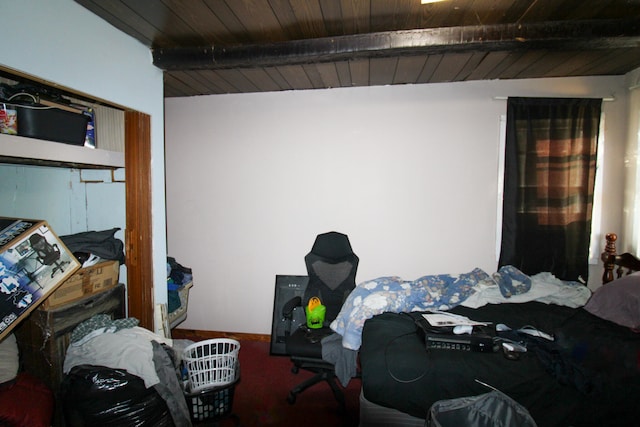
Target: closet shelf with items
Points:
(44, 126)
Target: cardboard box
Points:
(33, 263)
(85, 282)
(44, 337)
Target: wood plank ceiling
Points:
(237, 46)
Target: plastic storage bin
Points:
(211, 363)
(53, 124)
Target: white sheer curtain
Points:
(596, 246)
(631, 207)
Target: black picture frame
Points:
(287, 287)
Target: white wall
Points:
(410, 173)
(63, 43)
(70, 200)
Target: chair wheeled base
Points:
(323, 372)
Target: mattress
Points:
(372, 415)
(594, 383)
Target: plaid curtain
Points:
(550, 165)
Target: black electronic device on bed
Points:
(481, 339)
(473, 342)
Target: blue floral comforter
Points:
(396, 295)
(445, 291)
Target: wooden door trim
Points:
(138, 236)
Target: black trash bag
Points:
(100, 396)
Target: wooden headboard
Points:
(625, 263)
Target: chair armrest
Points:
(289, 306)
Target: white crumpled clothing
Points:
(129, 349)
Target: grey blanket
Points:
(169, 387)
(342, 358)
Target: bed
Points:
(589, 375)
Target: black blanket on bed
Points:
(589, 376)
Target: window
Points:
(549, 176)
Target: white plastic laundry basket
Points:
(212, 363)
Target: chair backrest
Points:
(47, 253)
(331, 266)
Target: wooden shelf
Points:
(30, 151)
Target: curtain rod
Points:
(504, 98)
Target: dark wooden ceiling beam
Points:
(550, 36)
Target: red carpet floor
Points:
(260, 398)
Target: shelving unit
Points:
(30, 151)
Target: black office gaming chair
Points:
(331, 266)
(47, 253)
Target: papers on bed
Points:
(442, 318)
